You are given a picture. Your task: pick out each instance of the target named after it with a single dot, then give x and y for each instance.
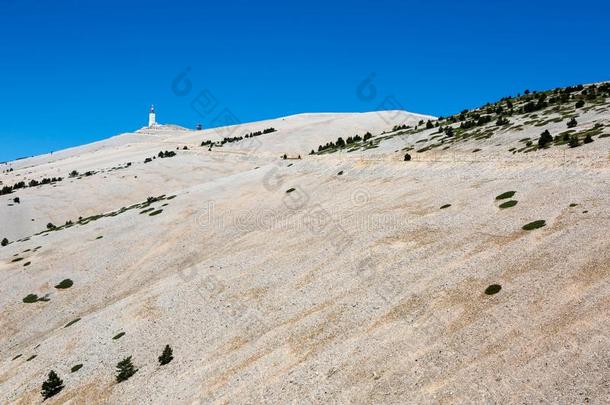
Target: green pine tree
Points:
(166, 356)
(545, 139)
(125, 369)
(52, 386)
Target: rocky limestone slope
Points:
(347, 276)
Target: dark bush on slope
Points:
(545, 139)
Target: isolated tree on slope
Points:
(545, 139)
(52, 386)
(125, 369)
(166, 356)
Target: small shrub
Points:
(340, 173)
(72, 322)
(588, 139)
(4, 242)
(67, 283)
(493, 289)
(580, 104)
(508, 204)
(534, 225)
(75, 368)
(574, 142)
(50, 226)
(30, 298)
(52, 386)
(407, 157)
(16, 200)
(502, 121)
(506, 195)
(166, 356)
(572, 123)
(118, 336)
(125, 369)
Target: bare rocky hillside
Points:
(382, 257)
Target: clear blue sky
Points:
(72, 71)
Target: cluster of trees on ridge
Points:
(161, 155)
(239, 138)
(529, 102)
(32, 183)
(341, 143)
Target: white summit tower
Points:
(151, 117)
